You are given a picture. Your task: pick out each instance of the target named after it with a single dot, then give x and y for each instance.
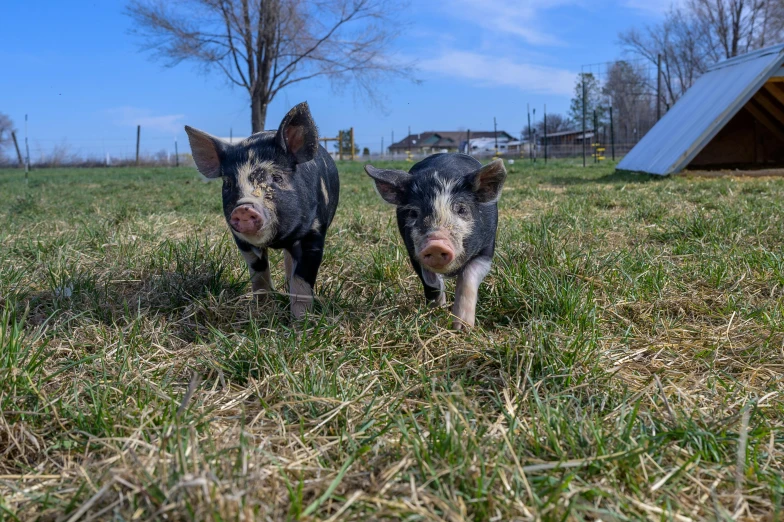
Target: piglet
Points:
(447, 213)
(280, 190)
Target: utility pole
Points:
(138, 137)
(351, 132)
(382, 146)
(533, 137)
(18, 152)
(176, 154)
(612, 133)
(495, 133)
(658, 87)
(468, 142)
(408, 140)
(530, 151)
(583, 79)
(545, 133)
(27, 151)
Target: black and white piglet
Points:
(280, 190)
(447, 213)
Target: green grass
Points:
(627, 362)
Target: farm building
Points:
(444, 141)
(569, 137)
(732, 117)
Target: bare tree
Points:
(677, 40)
(628, 90)
(555, 123)
(703, 32)
(733, 27)
(6, 128)
(776, 16)
(265, 46)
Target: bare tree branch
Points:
(268, 45)
(703, 32)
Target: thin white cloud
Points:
(521, 18)
(133, 116)
(657, 7)
(488, 70)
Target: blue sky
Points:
(73, 67)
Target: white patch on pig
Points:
(261, 282)
(467, 292)
(301, 296)
(316, 226)
(445, 221)
(435, 281)
(300, 292)
(324, 192)
(260, 193)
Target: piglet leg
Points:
(259, 269)
(302, 265)
(467, 292)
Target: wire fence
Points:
(615, 105)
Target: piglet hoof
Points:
(300, 305)
(440, 302)
(262, 297)
(462, 325)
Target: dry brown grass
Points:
(628, 362)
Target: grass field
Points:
(627, 362)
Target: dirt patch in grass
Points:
(741, 175)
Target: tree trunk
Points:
(258, 113)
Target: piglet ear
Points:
(207, 151)
(390, 184)
(298, 135)
(488, 181)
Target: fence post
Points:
(27, 151)
(352, 143)
(530, 145)
(612, 133)
(658, 87)
(545, 134)
(584, 109)
(18, 152)
(138, 137)
(595, 138)
(340, 145)
(176, 154)
(468, 142)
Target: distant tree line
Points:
(688, 40)
(699, 33)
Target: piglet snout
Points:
(246, 219)
(437, 254)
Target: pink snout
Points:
(437, 254)
(246, 219)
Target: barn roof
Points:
(440, 139)
(701, 113)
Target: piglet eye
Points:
(227, 183)
(277, 178)
(413, 213)
(461, 210)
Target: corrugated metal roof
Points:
(702, 112)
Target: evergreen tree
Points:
(593, 102)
